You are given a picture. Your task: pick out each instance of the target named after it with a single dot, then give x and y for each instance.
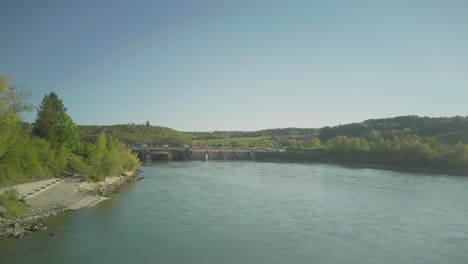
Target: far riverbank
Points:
(358, 159)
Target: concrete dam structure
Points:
(146, 154)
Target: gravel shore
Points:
(53, 196)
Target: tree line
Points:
(408, 149)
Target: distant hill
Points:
(446, 129)
(449, 130)
(277, 132)
(137, 134)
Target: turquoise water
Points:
(247, 212)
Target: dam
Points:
(165, 153)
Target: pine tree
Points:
(54, 124)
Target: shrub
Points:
(13, 206)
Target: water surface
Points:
(248, 212)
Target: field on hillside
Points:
(236, 142)
(453, 137)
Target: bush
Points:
(13, 206)
(76, 163)
(108, 157)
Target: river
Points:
(251, 212)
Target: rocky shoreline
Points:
(33, 220)
(29, 222)
(113, 187)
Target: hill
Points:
(448, 130)
(132, 134)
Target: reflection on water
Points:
(247, 212)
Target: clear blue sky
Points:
(239, 65)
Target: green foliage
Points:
(13, 206)
(17, 99)
(136, 134)
(68, 132)
(442, 128)
(449, 130)
(294, 144)
(76, 163)
(30, 158)
(270, 133)
(22, 158)
(381, 145)
(237, 142)
(454, 137)
(48, 153)
(48, 118)
(108, 157)
(12, 99)
(54, 124)
(313, 143)
(408, 150)
(459, 155)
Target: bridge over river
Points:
(198, 153)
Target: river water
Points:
(249, 212)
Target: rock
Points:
(18, 233)
(36, 227)
(14, 233)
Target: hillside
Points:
(137, 134)
(454, 137)
(448, 130)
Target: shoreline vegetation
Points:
(51, 147)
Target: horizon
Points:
(239, 66)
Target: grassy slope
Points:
(453, 137)
(245, 141)
(227, 140)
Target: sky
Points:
(205, 65)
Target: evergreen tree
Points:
(48, 117)
(54, 124)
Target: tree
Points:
(54, 124)
(48, 117)
(313, 143)
(108, 157)
(17, 99)
(12, 101)
(147, 123)
(395, 144)
(363, 145)
(68, 132)
(338, 143)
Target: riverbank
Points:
(51, 197)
